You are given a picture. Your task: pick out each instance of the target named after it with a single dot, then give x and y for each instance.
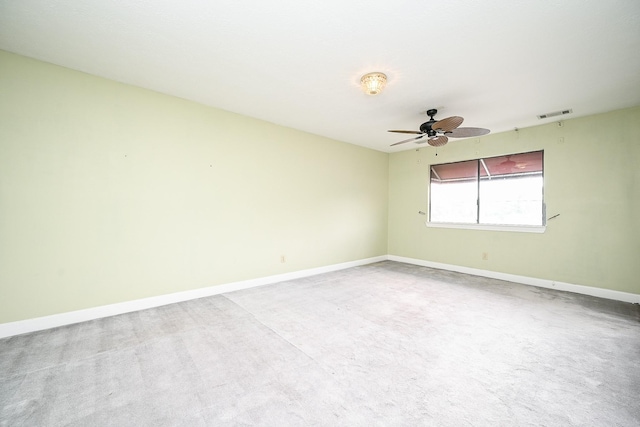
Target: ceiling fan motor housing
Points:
(426, 128)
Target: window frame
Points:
(485, 226)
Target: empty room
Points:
(230, 213)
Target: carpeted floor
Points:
(387, 344)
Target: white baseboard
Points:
(532, 281)
(55, 320)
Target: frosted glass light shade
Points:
(373, 83)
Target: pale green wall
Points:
(592, 179)
(111, 193)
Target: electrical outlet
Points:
(485, 256)
(283, 259)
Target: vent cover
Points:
(555, 113)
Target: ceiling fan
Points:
(438, 132)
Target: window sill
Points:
(485, 227)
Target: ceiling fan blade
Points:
(437, 141)
(448, 124)
(417, 132)
(466, 132)
(409, 140)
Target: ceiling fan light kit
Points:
(373, 83)
(438, 132)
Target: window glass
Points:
(454, 192)
(503, 190)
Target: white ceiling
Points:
(497, 63)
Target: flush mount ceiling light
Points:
(373, 83)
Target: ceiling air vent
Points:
(555, 113)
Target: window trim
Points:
(487, 227)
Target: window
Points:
(496, 191)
